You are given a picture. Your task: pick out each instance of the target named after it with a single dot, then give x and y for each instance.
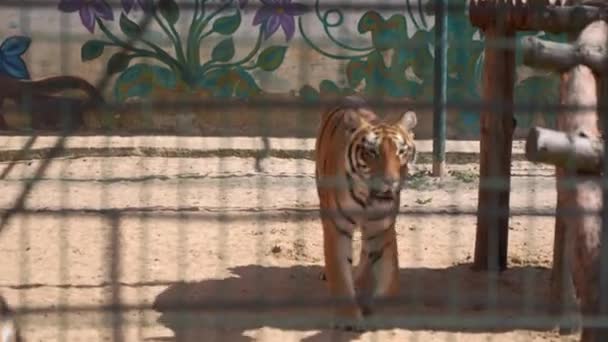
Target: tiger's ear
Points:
(353, 120)
(408, 120)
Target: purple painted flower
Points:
(275, 13)
(89, 10)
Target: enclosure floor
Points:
(219, 231)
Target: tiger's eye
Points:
(370, 153)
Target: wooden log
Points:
(577, 197)
(497, 125)
(573, 151)
(542, 54)
(536, 15)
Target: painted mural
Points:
(196, 47)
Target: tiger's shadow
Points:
(218, 314)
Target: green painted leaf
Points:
(534, 92)
(271, 58)
(129, 27)
(386, 34)
(328, 87)
(392, 33)
(380, 79)
(226, 82)
(169, 10)
(219, 82)
(210, 79)
(133, 73)
(91, 50)
(355, 72)
(309, 93)
(223, 51)
(369, 21)
(228, 24)
(118, 62)
(163, 76)
(245, 85)
(141, 79)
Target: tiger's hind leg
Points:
(337, 243)
(377, 274)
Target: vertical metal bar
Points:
(115, 266)
(440, 87)
(603, 286)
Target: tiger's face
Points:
(379, 154)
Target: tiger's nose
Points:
(389, 185)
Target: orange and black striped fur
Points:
(361, 162)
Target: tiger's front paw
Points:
(349, 319)
(349, 327)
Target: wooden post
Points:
(497, 125)
(578, 223)
(602, 282)
(577, 226)
(580, 63)
(499, 19)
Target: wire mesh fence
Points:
(120, 224)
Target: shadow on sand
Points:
(226, 308)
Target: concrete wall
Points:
(398, 62)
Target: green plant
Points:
(223, 75)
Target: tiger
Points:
(360, 164)
(9, 331)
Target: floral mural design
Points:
(11, 61)
(89, 11)
(129, 5)
(222, 75)
(278, 13)
(406, 37)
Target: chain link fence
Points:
(126, 219)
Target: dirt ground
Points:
(239, 237)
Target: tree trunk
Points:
(576, 197)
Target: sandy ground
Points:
(239, 238)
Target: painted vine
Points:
(409, 73)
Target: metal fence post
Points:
(440, 87)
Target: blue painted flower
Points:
(278, 13)
(11, 63)
(89, 10)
